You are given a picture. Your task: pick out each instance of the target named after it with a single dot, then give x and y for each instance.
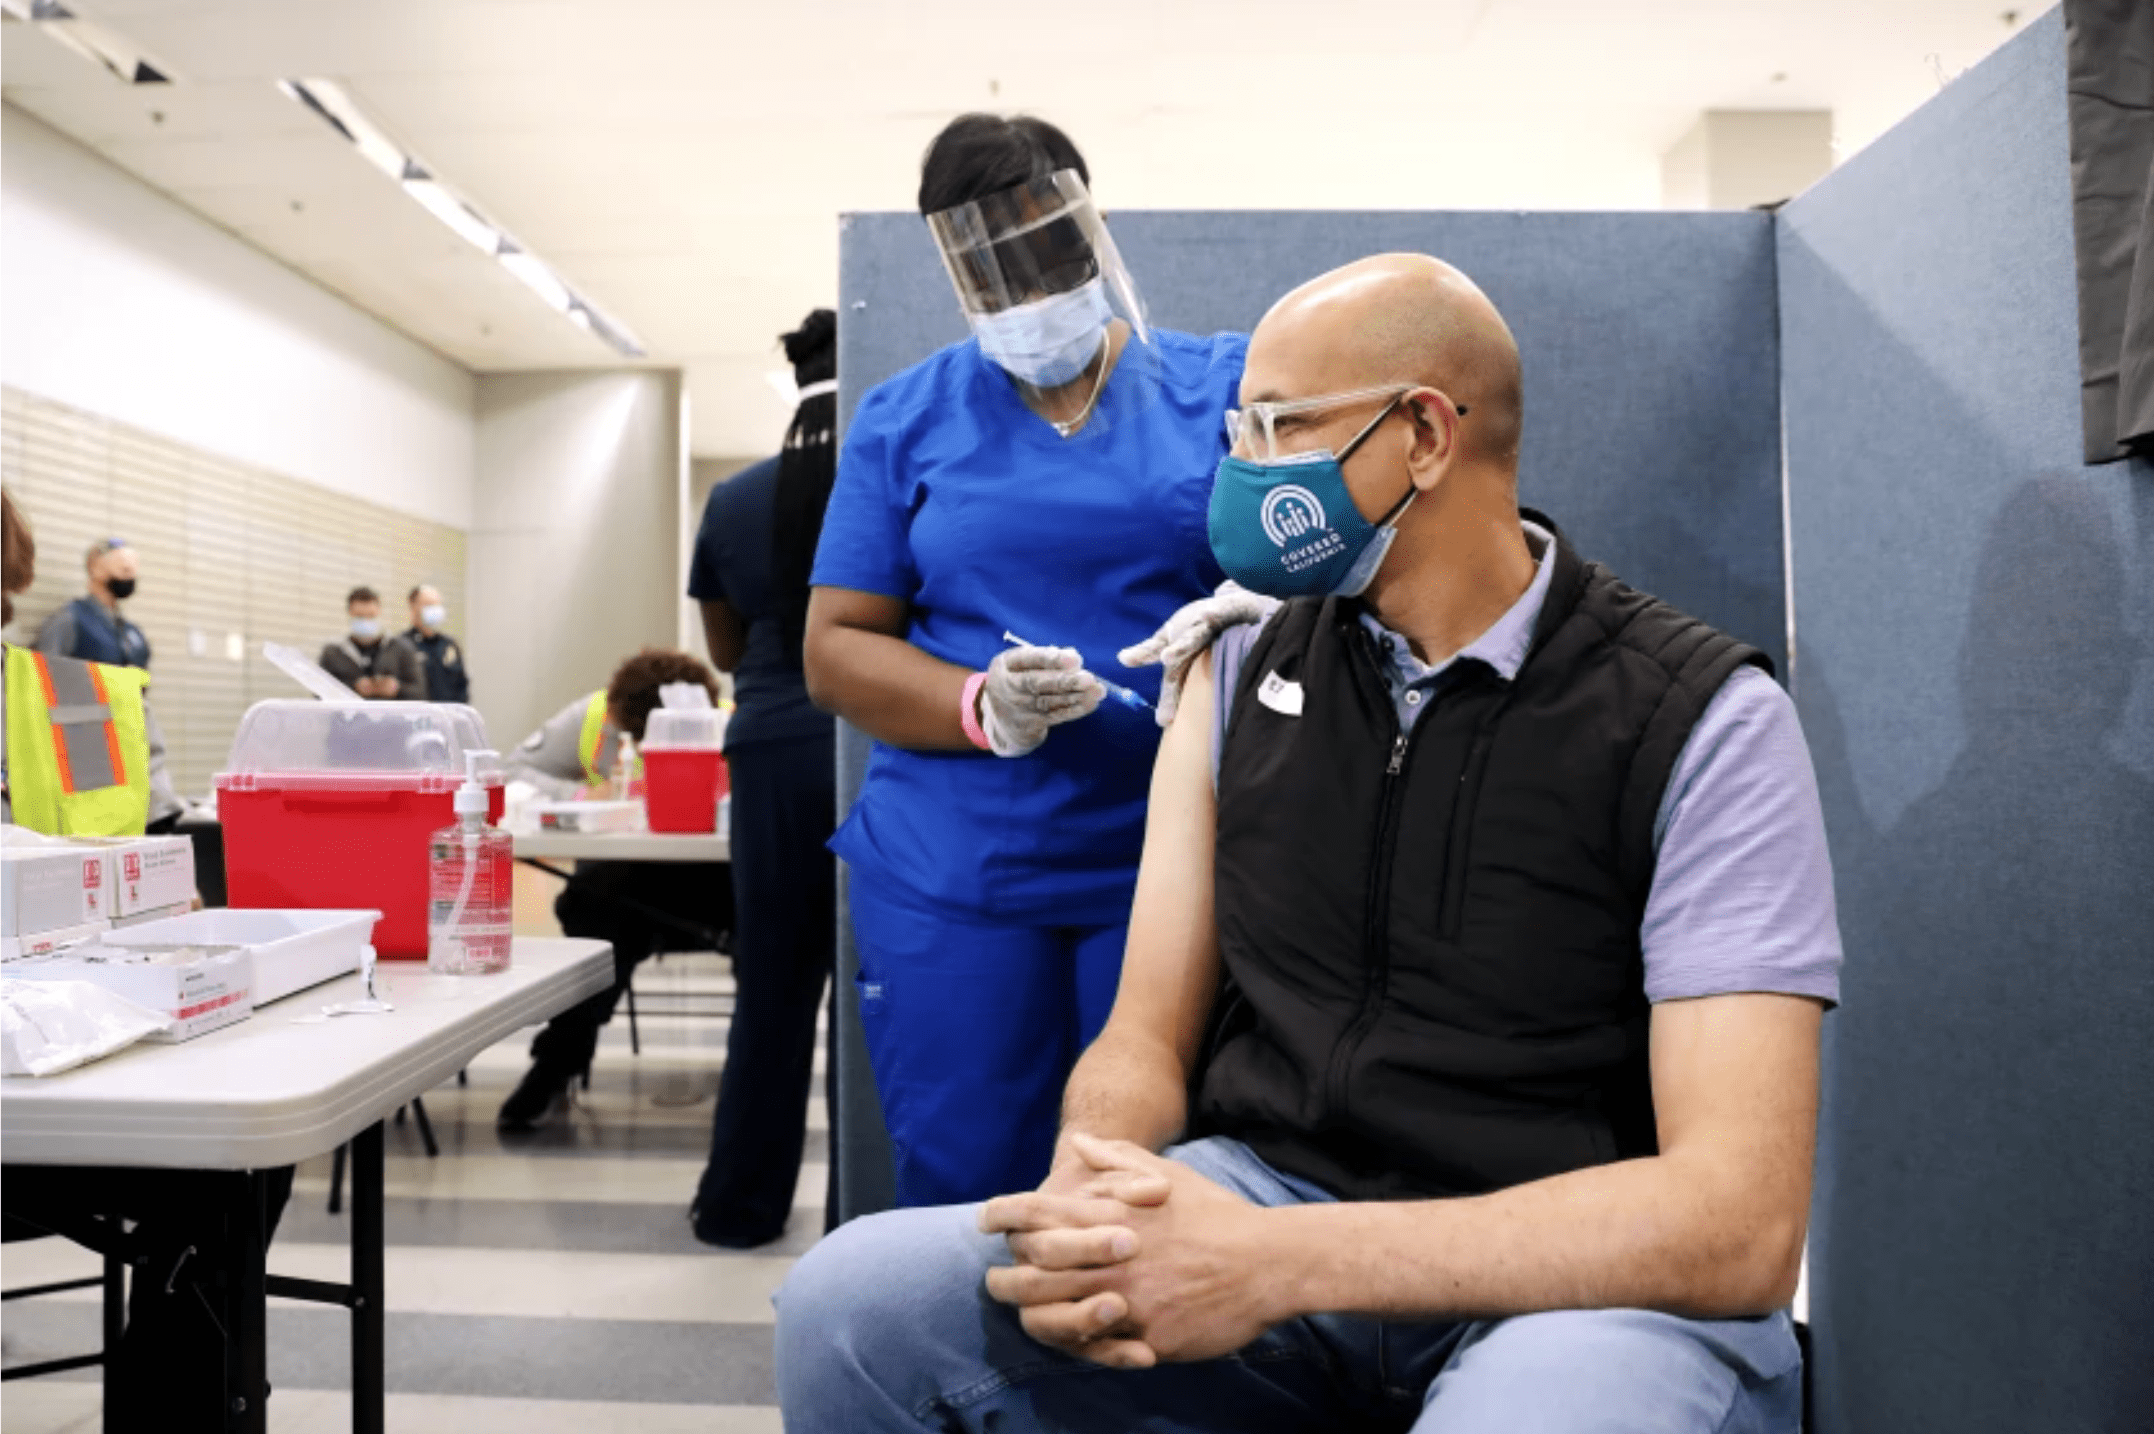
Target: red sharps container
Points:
(331, 805)
(684, 772)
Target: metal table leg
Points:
(115, 1318)
(366, 1287)
(246, 1304)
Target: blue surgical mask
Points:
(433, 614)
(366, 629)
(1047, 342)
(1290, 528)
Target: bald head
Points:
(1392, 318)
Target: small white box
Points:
(148, 873)
(44, 943)
(48, 887)
(155, 913)
(197, 996)
(292, 950)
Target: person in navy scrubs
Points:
(750, 577)
(1008, 515)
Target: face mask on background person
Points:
(1288, 527)
(1048, 342)
(120, 588)
(433, 614)
(366, 629)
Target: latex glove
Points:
(1030, 689)
(1191, 632)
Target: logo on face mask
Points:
(1291, 511)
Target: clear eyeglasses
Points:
(1269, 432)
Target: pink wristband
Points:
(968, 711)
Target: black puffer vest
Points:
(1433, 981)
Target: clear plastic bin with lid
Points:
(332, 804)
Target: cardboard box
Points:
(197, 996)
(44, 943)
(48, 888)
(148, 873)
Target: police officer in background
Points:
(92, 627)
(446, 679)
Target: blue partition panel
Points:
(1652, 417)
(1972, 632)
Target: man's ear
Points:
(1435, 440)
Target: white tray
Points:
(292, 950)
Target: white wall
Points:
(575, 537)
(117, 300)
(1734, 159)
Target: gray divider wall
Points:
(1972, 630)
(1652, 421)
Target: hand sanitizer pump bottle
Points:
(471, 874)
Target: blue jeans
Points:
(886, 1326)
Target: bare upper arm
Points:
(1170, 973)
(833, 614)
(724, 634)
(1735, 1092)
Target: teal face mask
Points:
(1290, 528)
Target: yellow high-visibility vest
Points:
(599, 744)
(78, 746)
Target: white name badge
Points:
(1280, 695)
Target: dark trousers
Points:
(785, 903)
(169, 1368)
(636, 905)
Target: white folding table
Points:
(536, 848)
(272, 1091)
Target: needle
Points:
(1115, 690)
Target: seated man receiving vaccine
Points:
(1463, 1073)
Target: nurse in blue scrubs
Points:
(1008, 514)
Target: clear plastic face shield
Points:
(1048, 298)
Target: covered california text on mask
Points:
(1049, 300)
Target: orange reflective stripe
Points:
(112, 728)
(59, 743)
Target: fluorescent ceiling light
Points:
(532, 272)
(328, 100)
(99, 44)
(450, 210)
(341, 113)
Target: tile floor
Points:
(547, 1285)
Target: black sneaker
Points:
(542, 1092)
(725, 1238)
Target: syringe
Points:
(1115, 690)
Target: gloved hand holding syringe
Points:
(1031, 689)
(1115, 691)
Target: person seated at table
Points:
(636, 905)
(1464, 1069)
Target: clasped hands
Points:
(1126, 1259)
